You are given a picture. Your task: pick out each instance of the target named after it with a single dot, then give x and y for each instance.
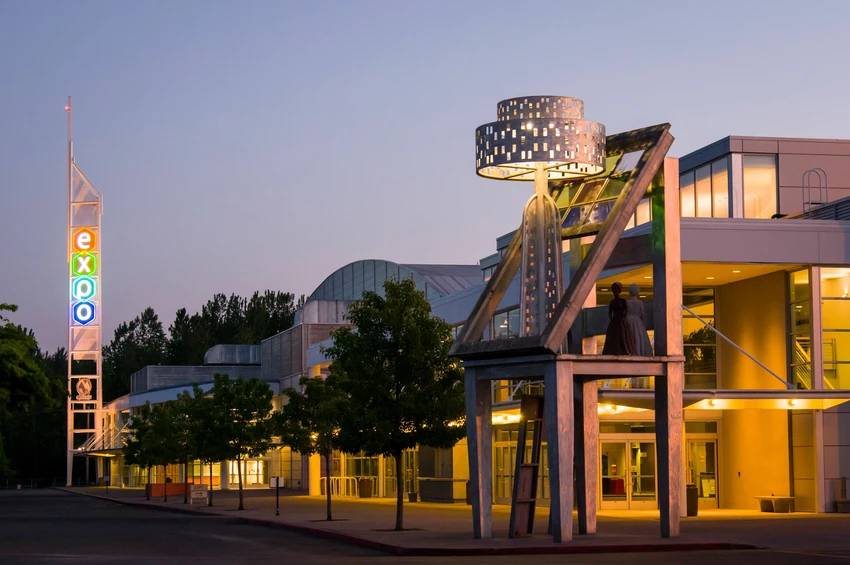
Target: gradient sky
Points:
(253, 145)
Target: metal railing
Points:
(345, 486)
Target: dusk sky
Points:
(249, 145)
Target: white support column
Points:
(479, 430)
(816, 325)
(737, 176)
(558, 392)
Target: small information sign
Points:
(198, 493)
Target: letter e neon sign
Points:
(83, 313)
(85, 240)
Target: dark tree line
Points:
(32, 404)
(223, 320)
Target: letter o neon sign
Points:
(83, 313)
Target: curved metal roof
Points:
(437, 281)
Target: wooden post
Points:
(586, 453)
(667, 276)
(479, 426)
(558, 391)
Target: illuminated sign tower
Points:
(85, 399)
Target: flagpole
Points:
(69, 455)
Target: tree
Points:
(24, 384)
(308, 423)
(244, 409)
(137, 450)
(401, 388)
(135, 345)
(207, 437)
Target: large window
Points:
(835, 295)
(760, 186)
(700, 341)
(799, 308)
(704, 192)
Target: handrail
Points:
(788, 385)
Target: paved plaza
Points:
(363, 527)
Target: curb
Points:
(405, 551)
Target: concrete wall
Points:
(754, 454)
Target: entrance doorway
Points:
(627, 475)
(702, 470)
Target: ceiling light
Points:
(736, 271)
(792, 402)
(712, 402)
(709, 278)
(647, 277)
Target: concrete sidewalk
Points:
(446, 529)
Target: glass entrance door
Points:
(628, 475)
(702, 470)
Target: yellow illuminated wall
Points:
(753, 443)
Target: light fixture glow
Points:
(736, 271)
(709, 278)
(712, 402)
(792, 402)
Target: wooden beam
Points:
(488, 301)
(667, 279)
(586, 453)
(602, 247)
(558, 393)
(479, 435)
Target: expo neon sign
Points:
(83, 269)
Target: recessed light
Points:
(709, 278)
(647, 277)
(736, 271)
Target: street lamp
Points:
(540, 138)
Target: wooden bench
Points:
(778, 504)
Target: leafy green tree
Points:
(138, 449)
(244, 408)
(401, 387)
(24, 384)
(308, 423)
(207, 436)
(135, 345)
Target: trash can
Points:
(365, 488)
(692, 497)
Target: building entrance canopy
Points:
(730, 399)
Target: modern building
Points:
(765, 248)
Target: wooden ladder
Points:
(527, 473)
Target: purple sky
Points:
(253, 145)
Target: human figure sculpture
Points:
(618, 338)
(637, 323)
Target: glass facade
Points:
(506, 324)
(700, 341)
(704, 192)
(799, 309)
(760, 186)
(835, 309)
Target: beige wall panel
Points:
(815, 147)
(804, 463)
(760, 146)
(802, 429)
(752, 314)
(792, 167)
(754, 457)
(804, 495)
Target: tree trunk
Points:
(239, 472)
(209, 501)
(186, 482)
(165, 483)
(148, 489)
(399, 481)
(328, 485)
